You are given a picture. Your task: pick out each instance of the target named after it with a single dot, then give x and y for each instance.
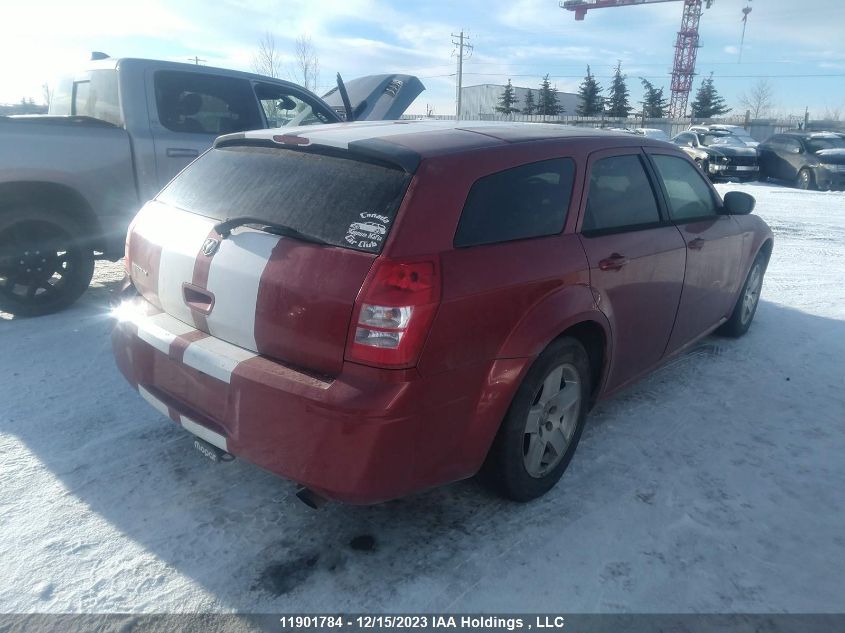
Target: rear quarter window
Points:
(346, 202)
(522, 202)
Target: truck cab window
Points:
(93, 94)
(205, 104)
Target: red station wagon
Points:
(378, 308)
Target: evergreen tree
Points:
(708, 102)
(654, 103)
(507, 100)
(618, 105)
(591, 101)
(548, 104)
(530, 107)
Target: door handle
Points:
(614, 262)
(697, 244)
(182, 152)
(197, 298)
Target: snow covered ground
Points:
(717, 484)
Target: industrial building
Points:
(478, 101)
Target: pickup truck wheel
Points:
(44, 266)
(541, 429)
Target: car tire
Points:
(45, 264)
(541, 430)
(747, 302)
(804, 179)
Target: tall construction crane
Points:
(686, 44)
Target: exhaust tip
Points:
(311, 498)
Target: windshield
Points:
(719, 139)
(745, 138)
(655, 134)
(818, 144)
(339, 200)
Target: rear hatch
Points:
(288, 298)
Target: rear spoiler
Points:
(373, 149)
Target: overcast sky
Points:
(520, 39)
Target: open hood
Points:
(377, 97)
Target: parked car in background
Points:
(737, 131)
(727, 156)
(532, 270)
(807, 160)
(116, 133)
(652, 132)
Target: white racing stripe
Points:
(204, 434)
(187, 423)
(180, 235)
(215, 357)
(161, 330)
(156, 404)
(233, 279)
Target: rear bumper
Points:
(364, 436)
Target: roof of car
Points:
(414, 140)
(811, 134)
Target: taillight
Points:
(393, 313)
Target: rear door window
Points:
(205, 104)
(94, 95)
(344, 201)
(621, 196)
(689, 196)
(526, 201)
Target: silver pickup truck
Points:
(116, 133)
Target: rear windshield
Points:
(343, 201)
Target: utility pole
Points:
(461, 44)
(196, 60)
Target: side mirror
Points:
(739, 203)
(286, 103)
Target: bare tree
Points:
(267, 60)
(759, 100)
(46, 93)
(306, 70)
(832, 113)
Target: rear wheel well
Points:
(53, 198)
(591, 335)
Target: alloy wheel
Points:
(752, 293)
(552, 420)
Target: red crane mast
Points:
(686, 43)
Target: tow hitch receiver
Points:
(212, 452)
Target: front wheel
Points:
(44, 265)
(746, 305)
(804, 180)
(543, 425)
